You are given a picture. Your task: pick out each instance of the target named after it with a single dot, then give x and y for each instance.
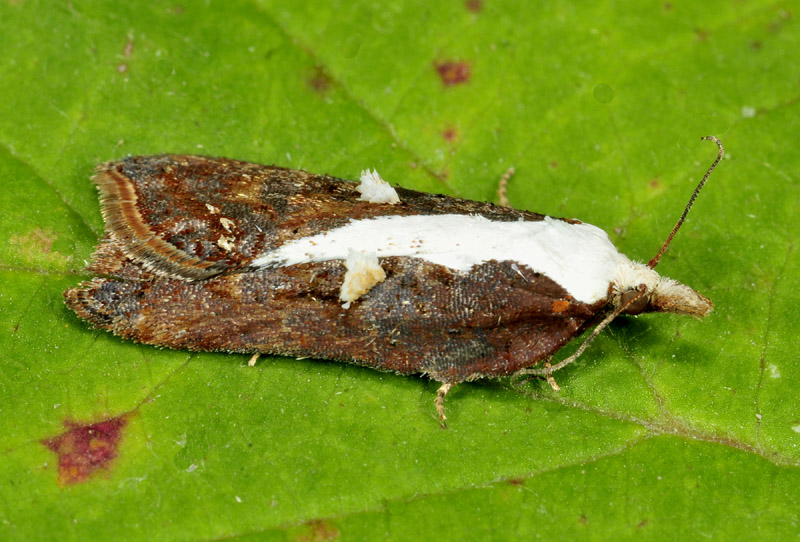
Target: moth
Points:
(217, 254)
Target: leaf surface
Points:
(666, 426)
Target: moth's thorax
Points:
(661, 294)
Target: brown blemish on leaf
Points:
(122, 67)
(583, 520)
(701, 34)
(37, 246)
(667, 6)
(776, 25)
(450, 134)
(655, 183)
(475, 6)
(319, 530)
(320, 81)
(83, 449)
(560, 305)
(453, 72)
(554, 164)
(516, 481)
(37, 239)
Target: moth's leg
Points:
(253, 360)
(439, 401)
(502, 188)
(548, 369)
(549, 376)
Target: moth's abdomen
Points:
(103, 302)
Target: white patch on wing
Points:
(579, 257)
(375, 190)
(363, 272)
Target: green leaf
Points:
(666, 427)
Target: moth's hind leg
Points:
(502, 187)
(439, 401)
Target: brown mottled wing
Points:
(424, 318)
(196, 217)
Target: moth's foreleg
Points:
(439, 401)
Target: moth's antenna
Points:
(654, 261)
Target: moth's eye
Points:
(638, 306)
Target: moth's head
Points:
(639, 289)
(661, 294)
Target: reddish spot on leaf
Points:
(450, 134)
(319, 80)
(452, 72)
(516, 481)
(655, 183)
(319, 531)
(554, 164)
(83, 449)
(474, 5)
